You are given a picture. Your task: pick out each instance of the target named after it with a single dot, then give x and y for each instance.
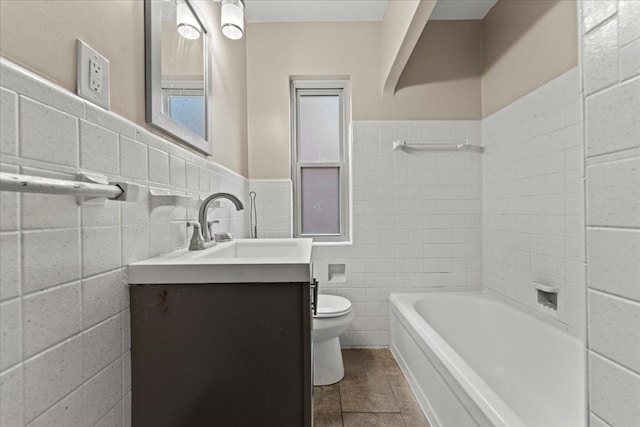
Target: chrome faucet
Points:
(204, 209)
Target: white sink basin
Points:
(238, 261)
(256, 249)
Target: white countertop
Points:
(238, 261)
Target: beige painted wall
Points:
(276, 51)
(181, 59)
(41, 36)
(526, 43)
(402, 25)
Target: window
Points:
(320, 159)
(183, 101)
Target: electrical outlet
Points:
(95, 78)
(92, 75)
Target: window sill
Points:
(345, 243)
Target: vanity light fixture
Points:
(186, 21)
(232, 18)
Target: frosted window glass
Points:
(319, 128)
(188, 111)
(320, 200)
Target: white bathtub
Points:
(473, 360)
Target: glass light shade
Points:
(188, 26)
(232, 19)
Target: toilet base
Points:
(327, 362)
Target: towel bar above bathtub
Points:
(435, 146)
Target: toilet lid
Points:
(332, 306)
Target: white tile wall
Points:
(416, 221)
(64, 306)
(273, 207)
(612, 131)
(533, 203)
(613, 328)
(613, 392)
(613, 125)
(67, 412)
(612, 201)
(614, 261)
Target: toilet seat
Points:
(332, 306)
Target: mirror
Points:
(178, 66)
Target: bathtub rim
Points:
(475, 389)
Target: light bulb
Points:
(232, 19)
(188, 26)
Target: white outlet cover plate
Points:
(84, 56)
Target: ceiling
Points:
(314, 10)
(353, 10)
(461, 9)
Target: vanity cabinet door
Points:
(221, 355)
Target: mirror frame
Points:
(155, 116)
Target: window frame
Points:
(338, 88)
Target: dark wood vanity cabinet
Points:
(229, 355)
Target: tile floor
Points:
(373, 392)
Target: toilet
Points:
(333, 317)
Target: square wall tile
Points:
(60, 212)
(601, 57)
(101, 215)
(51, 316)
(158, 166)
(102, 297)
(192, 176)
(133, 158)
(614, 392)
(67, 413)
(135, 243)
(47, 134)
(177, 171)
(204, 179)
(595, 421)
(102, 345)
(138, 212)
(614, 329)
(612, 119)
(10, 333)
(9, 265)
(49, 258)
(597, 11)
(102, 392)
(52, 375)
(11, 403)
(614, 261)
(628, 16)
(98, 149)
(630, 60)
(113, 417)
(8, 122)
(613, 194)
(9, 203)
(110, 120)
(100, 249)
(32, 86)
(126, 411)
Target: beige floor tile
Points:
(374, 392)
(327, 411)
(371, 420)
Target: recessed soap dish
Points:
(547, 295)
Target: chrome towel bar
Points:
(90, 189)
(465, 146)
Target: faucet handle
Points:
(197, 241)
